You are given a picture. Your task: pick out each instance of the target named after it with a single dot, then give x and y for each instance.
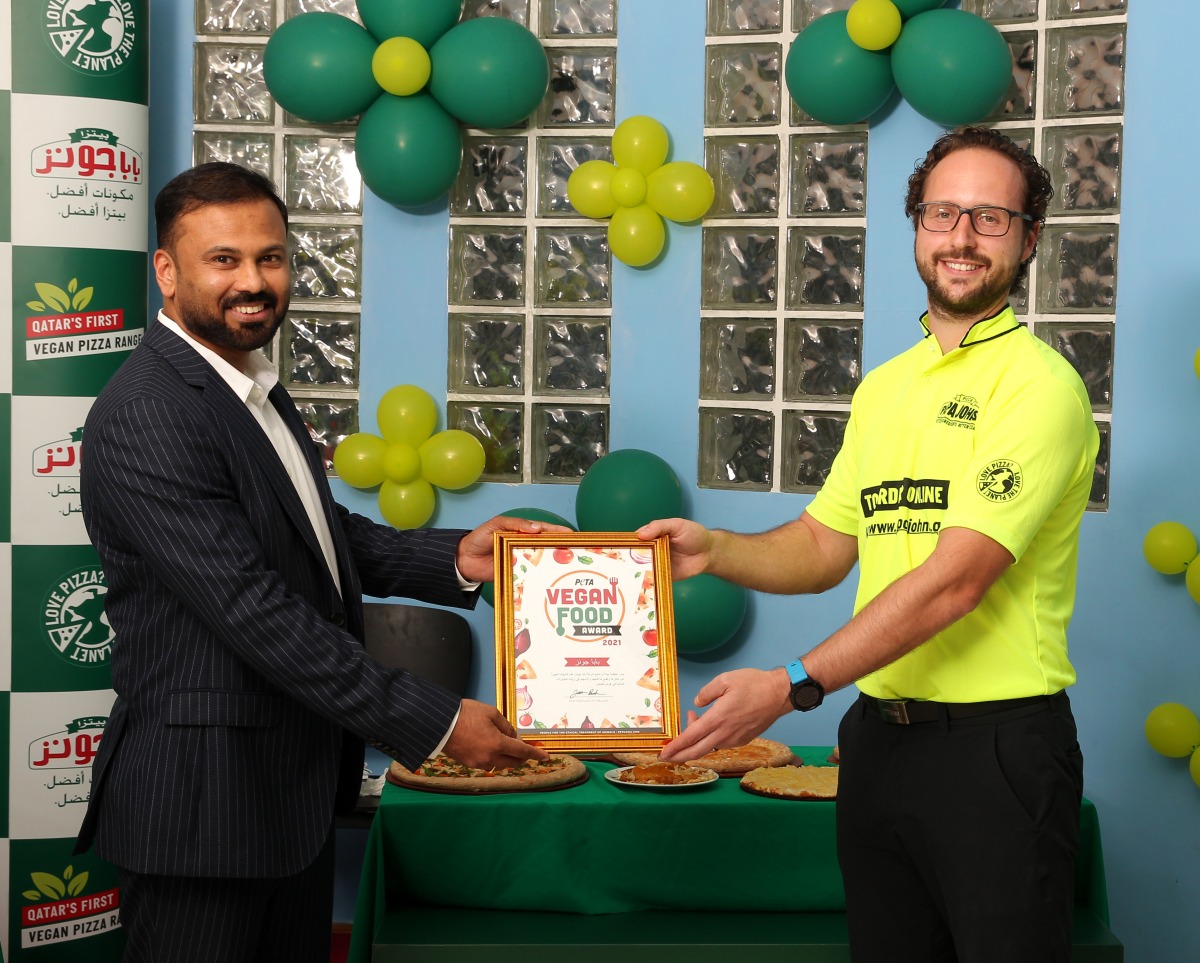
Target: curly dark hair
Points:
(1038, 188)
(214, 183)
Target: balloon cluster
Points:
(412, 74)
(409, 460)
(950, 65)
(1171, 548)
(621, 492)
(1174, 730)
(639, 190)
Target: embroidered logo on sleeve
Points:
(1000, 481)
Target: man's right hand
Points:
(691, 544)
(484, 739)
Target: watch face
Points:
(806, 695)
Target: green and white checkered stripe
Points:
(74, 124)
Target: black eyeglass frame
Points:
(970, 211)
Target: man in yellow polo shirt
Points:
(965, 471)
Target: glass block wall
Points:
(530, 281)
(781, 325)
(1067, 102)
(782, 303)
(237, 120)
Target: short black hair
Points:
(214, 183)
(1038, 186)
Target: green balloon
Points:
(421, 20)
(910, 8)
(408, 149)
(318, 66)
(488, 591)
(624, 490)
(708, 610)
(833, 79)
(489, 72)
(952, 66)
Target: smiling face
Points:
(969, 276)
(226, 277)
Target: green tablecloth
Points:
(600, 848)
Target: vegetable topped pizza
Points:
(442, 773)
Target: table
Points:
(600, 848)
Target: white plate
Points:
(614, 776)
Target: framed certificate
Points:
(585, 640)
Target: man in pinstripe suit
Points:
(244, 693)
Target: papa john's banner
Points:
(73, 269)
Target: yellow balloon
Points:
(636, 235)
(641, 143)
(358, 460)
(1192, 580)
(589, 188)
(629, 187)
(1169, 547)
(873, 24)
(406, 413)
(1196, 362)
(681, 191)
(452, 459)
(1194, 767)
(1173, 730)
(401, 66)
(406, 506)
(401, 463)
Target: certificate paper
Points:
(585, 640)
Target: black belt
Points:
(903, 712)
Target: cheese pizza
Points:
(793, 782)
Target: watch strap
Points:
(795, 671)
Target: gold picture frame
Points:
(585, 641)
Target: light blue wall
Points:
(1135, 636)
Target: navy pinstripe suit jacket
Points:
(243, 689)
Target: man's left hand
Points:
(475, 550)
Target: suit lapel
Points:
(231, 413)
(291, 417)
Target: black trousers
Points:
(957, 838)
(179, 919)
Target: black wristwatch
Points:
(806, 693)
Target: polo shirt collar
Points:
(994, 326)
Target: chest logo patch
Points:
(960, 412)
(1000, 481)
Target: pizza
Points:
(725, 762)
(649, 679)
(443, 774)
(665, 774)
(793, 782)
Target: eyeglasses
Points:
(989, 221)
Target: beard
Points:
(245, 336)
(989, 289)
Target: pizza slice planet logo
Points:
(59, 910)
(91, 36)
(74, 620)
(1000, 481)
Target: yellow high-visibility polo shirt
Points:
(996, 436)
